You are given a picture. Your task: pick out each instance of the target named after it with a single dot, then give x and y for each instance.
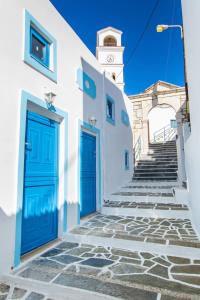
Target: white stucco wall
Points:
(16, 76)
(191, 24)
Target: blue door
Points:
(40, 214)
(88, 174)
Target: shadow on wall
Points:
(7, 225)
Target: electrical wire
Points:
(142, 34)
(170, 42)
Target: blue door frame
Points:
(40, 213)
(87, 174)
(63, 116)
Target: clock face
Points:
(110, 58)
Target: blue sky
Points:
(159, 55)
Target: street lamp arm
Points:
(161, 28)
(177, 26)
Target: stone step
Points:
(159, 184)
(159, 157)
(73, 270)
(143, 178)
(155, 174)
(165, 236)
(143, 193)
(155, 170)
(146, 209)
(155, 163)
(148, 198)
(154, 160)
(147, 189)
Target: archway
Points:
(162, 123)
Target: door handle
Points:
(28, 146)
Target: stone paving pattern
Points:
(116, 272)
(155, 230)
(12, 291)
(145, 205)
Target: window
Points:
(40, 48)
(125, 118)
(110, 41)
(126, 160)
(86, 83)
(110, 110)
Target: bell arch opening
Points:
(110, 41)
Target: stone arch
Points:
(160, 118)
(110, 41)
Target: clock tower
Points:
(109, 53)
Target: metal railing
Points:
(167, 133)
(138, 149)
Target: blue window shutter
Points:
(86, 84)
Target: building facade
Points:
(157, 117)
(191, 24)
(66, 140)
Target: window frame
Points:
(126, 160)
(110, 119)
(49, 69)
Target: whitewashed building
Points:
(66, 140)
(191, 26)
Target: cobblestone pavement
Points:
(114, 272)
(12, 291)
(145, 205)
(155, 230)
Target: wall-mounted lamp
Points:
(92, 121)
(50, 98)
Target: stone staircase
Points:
(160, 163)
(141, 246)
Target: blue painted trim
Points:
(126, 159)
(25, 97)
(81, 126)
(40, 38)
(31, 22)
(82, 80)
(125, 118)
(109, 119)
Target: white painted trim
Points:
(148, 213)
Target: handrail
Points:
(138, 149)
(166, 133)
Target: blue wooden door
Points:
(40, 214)
(88, 174)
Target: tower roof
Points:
(109, 28)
